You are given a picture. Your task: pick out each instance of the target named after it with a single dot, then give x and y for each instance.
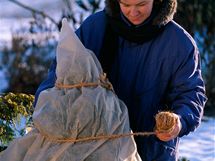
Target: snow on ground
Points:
(200, 145)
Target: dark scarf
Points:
(115, 27)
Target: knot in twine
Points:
(102, 81)
(165, 121)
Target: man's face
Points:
(136, 11)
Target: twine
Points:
(101, 137)
(103, 81)
(165, 121)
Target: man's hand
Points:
(167, 135)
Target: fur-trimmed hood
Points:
(166, 10)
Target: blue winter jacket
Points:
(161, 74)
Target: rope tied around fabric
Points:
(165, 121)
(102, 81)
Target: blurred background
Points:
(28, 38)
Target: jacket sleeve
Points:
(187, 94)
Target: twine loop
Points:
(165, 121)
(102, 81)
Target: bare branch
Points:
(34, 11)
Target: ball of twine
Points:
(165, 121)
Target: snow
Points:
(197, 146)
(200, 145)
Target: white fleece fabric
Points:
(75, 113)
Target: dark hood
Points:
(165, 10)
